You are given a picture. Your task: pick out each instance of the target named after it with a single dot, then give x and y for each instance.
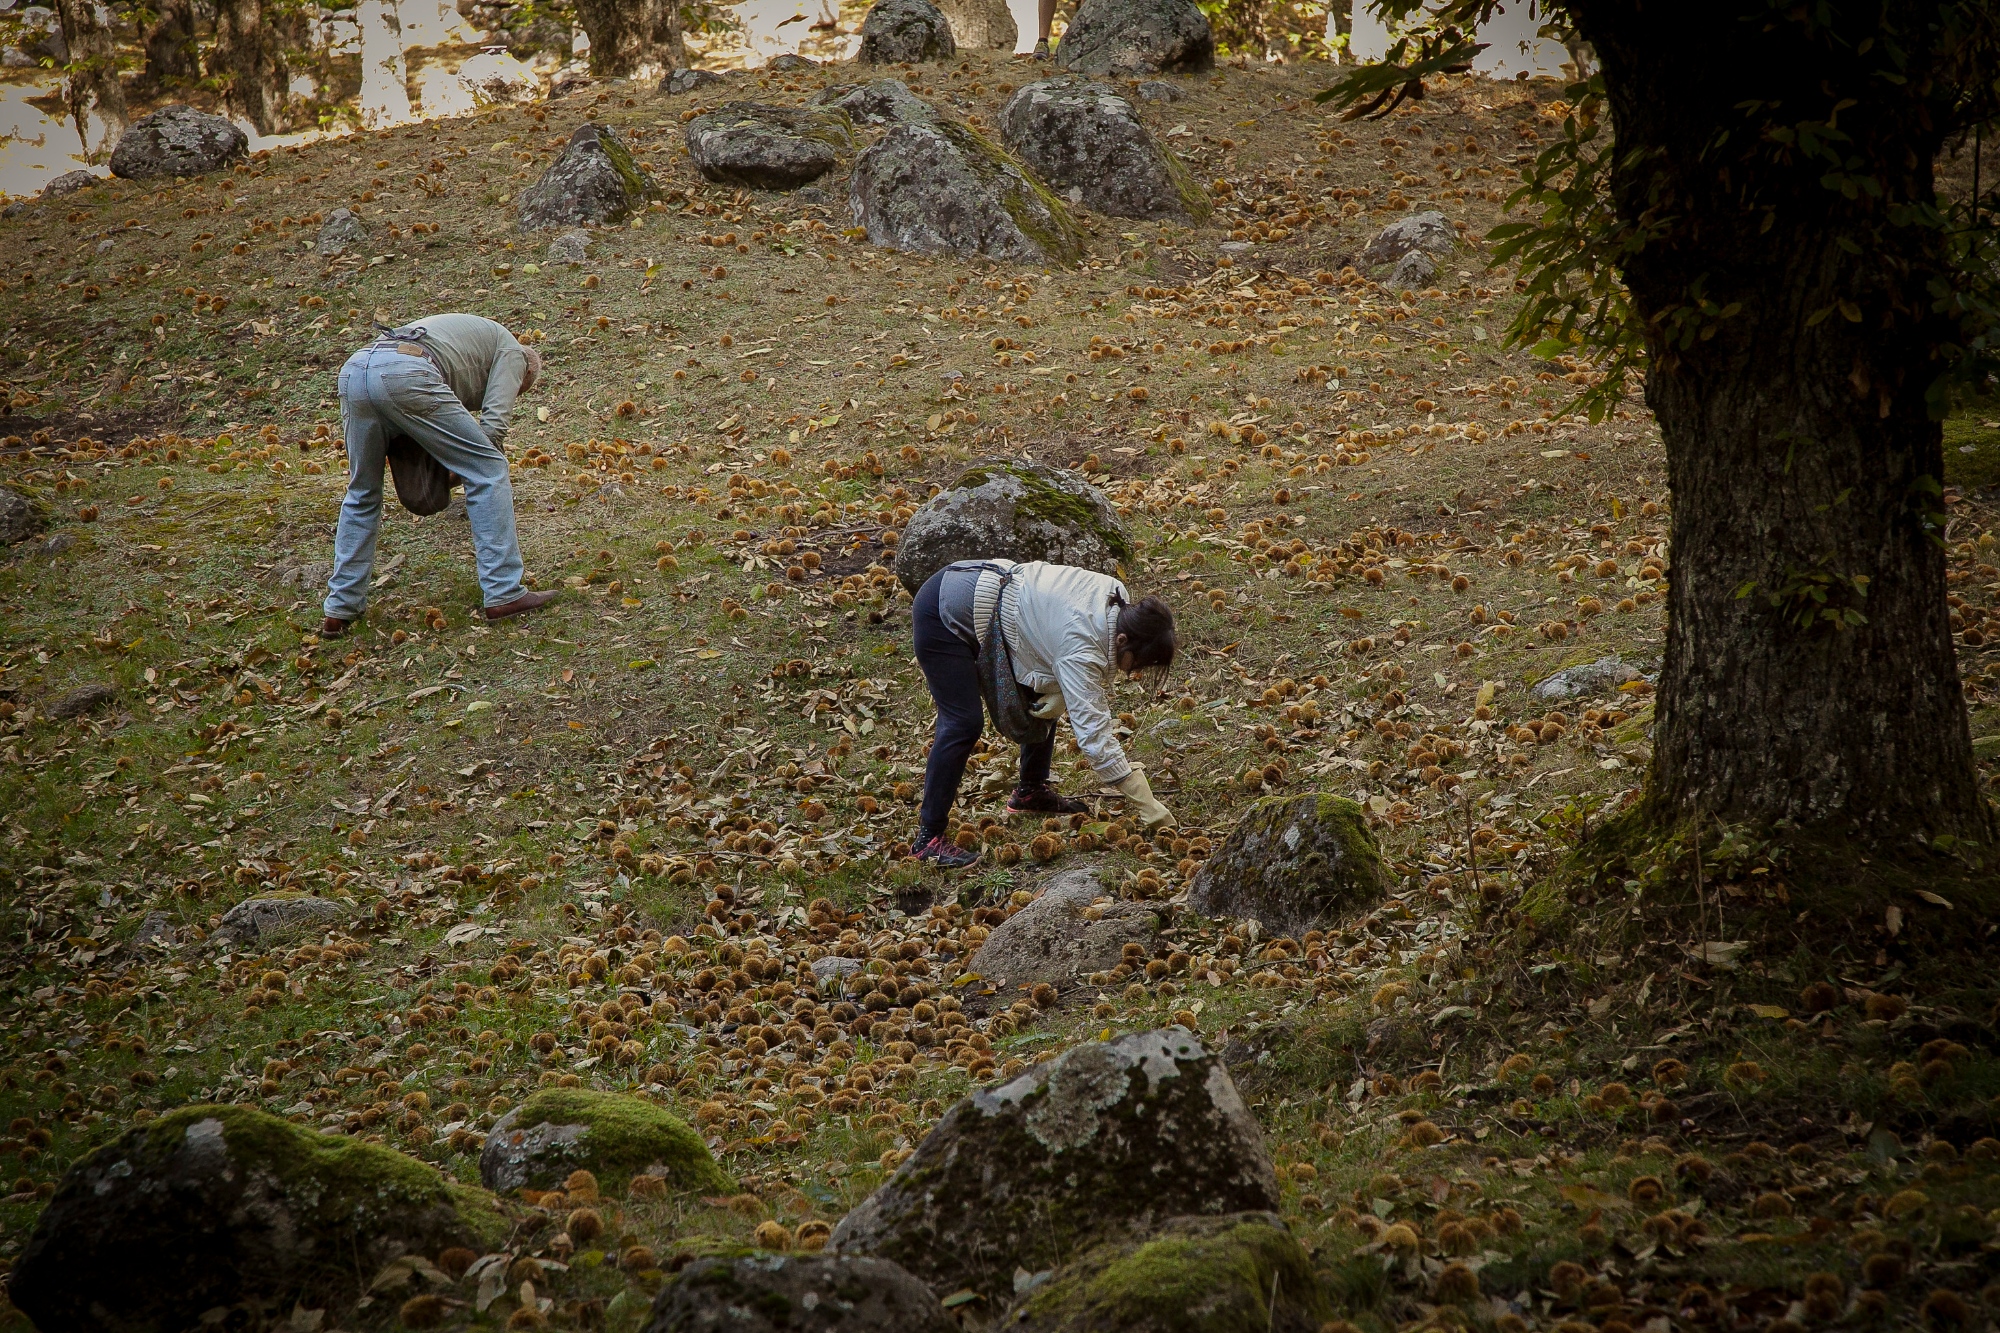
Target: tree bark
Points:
(96, 98)
(628, 35)
(248, 54)
(1810, 675)
(173, 53)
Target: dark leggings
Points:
(951, 669)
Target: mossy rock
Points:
(615, 1137)
(1084, 137)
(1293, 864)
(941, 188)
(1108, 1139)
(1243, 1273)
(768, 147)
(593, 182)
(1014, 509)
(230, 1207)
(796, 1293)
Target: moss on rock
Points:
(1241, 1273)
(614, 1136)
(1293, 863)
(227, 1206)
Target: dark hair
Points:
(1148, 627)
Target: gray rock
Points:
(613, 1136)
(1107, 1138)
(572, 247)
(278, 916)
(767, 147)
(1051, 940)
(177, 140)
(157, 930)
(1587, 680)
(786, 63)
(943, 189)
(21, 516)
(593, 181)
(905, 30)
(981, 25)
(54, 545)
(68, 183)
(813, 196)
(1413, 270)
(1430, 232)
(1158, 90)
(797, 1293)
(106, 246)
(834, 969)
(341, 232)
(1130, 38)
(83, 699)
(1239, 1272)
(687, 80)
(1082, 136)
(1018, 509)
(230, 1207)
(1292, 863)
(883, 102)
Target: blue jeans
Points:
(384, 392)
(951, 669)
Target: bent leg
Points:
(419, 404)
(951, 669)
(361, 510)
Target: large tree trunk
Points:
(385, 83)
(1810, 674)
(96, 98)
(630, 37)
(247, 52)
(173, 53)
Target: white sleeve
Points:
(1083, 676)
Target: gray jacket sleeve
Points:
(503, 385)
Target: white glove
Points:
(1139, 801)
(1050, 706)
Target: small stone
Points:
(54, 545)
(883, 102)
(177, 140)
(767, 147)
(559, 1130)
(1014, 508)
(572, 247)
(1130, 38)
(341, 232)
(1414, 270)
(1107, 1139)
(1293, 864)
(21, 516)
(1051, 940)
(834, 969)
(69, 183)
(1584, 681)
(594, 181)
(797, 1293)
(1084, 137)
(278, 916)
(788, 63)
(687, 80)
(156, 930)
(1430, 232)
(81, 700)
(1158, 90)
(898, 31)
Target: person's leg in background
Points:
(1046, 18)
(419, 404)
(361, 510)
(951, 669)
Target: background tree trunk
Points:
(173, 52)
(628, 37)
(96, 98)
(247, 51)
(385, 87)
(1810, 674)
(668, 47)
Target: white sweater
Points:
(1059, 622)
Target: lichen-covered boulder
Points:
(1292, 863)
(228, 1207)
(1412, 271)
(1017, 509)
(767, 147)
(21, 516)
(1107, 1138)
(1079, 135)
(1242, 1273)
(1132, 38)
(1585, 680)
(797, 1293)
(177, 140)
(1430, 232)
(943, 188)
(899, 31)
(279, 916)
(615, 1137)
(1053, 940)
(69, 183)
(341, 232)
(882, 102)
(981, 25)
(594, 181)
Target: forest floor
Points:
(1379, 529)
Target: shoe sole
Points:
(522, 611)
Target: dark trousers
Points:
(951, 669)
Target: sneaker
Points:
(944, 854)
(1042, 49)
(1044, 800)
